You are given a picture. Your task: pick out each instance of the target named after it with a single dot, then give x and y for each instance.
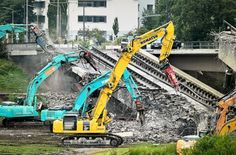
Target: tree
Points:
(195, 20)
(149, 22)
(19, 11)
(115, 26)
(94, 34)
(52, 15)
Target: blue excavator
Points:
(14, 28)
(27, 108)
(80, 104)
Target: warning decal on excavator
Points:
(50, 70)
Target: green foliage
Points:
(83, 43)
(98, 36)
(115, 26)
(29, 149)
(52, 16)
(142, 30)
(143, 149)
(195, 20)
(12, 97)
(149, 22)
(117, 41)
(18, 6)
(148, 149)
(12, 79)
(214, 145)
(95, 34)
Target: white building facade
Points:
(41, 10)
(143, 5)
(100, 14)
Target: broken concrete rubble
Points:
(168, 117)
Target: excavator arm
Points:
(166, 32)
(47, 71)
(15, 28)
(51, 67)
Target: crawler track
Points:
(92, 140)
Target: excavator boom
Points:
(166, 32)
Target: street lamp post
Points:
(84, 21)
(27, 21)
(58, 18)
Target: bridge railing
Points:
(34, 46)
(24, 46)
(200, 45)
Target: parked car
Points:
(176, 45)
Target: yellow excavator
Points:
(93, 128)
(225, 122)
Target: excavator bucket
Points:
(169, 72)
(171, 77)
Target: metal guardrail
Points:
(185, 45)
(25, 46)
(200, 45)
(34, 46)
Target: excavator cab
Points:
(20, 100)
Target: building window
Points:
(150, 7)
(39, 4)
(93, 19)
(94, 3)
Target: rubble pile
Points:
(52, 99)
(167, 118)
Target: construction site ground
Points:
(40, 137)
(39, 140)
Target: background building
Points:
(41, 10)
(142, 6)
(100, 14)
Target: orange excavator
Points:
(224, 118)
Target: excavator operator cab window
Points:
(70, 121)
(20, 100)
